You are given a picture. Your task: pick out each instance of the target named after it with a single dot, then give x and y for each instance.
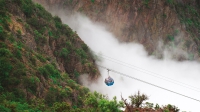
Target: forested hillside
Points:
(40, 62)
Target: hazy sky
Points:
(138, 64)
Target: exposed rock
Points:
(146, 22)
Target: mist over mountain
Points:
(57, 61)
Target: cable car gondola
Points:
(109, 81)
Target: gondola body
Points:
(109, 81)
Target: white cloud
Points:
(103, 42)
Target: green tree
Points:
(138, 99)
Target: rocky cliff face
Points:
(143, 21)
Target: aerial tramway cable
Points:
(150, 73)
(149, 83)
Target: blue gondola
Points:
(109, 81)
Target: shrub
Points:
(4, 20)
(5, 52)
(19, 33)
(61, 107)
(51, 96)
(19, 69)
(2, 4)
(39, 38)
(11, 38)
(81, 53)
(76, 74)
(33, 22)
(58, 22)
(49, 71)
(92, 1)
(170, 38)
(18, 2)
(5, 68)
(146, 2)
(3, 45)
(27, 7)
(57, 19)
(41, 58)
(85, 47)
(50, 33)
(20, 95)
(44, 72)
(42, 12)
(13, 81)
(18, 54)
(4, 109)
(2, 34)
(33, 60)
(170, 2)
(64, 52)
(30, 84)
(137, 99)
(69, 45)
(52, 71)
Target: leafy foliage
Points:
(27, 7)
(137, 99)
(64, 52)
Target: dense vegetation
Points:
(29, 76)
(33, 46)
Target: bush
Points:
(100, 103)
(2, 4)
(61, 107)
(42, 12)
(19, 34)
(41, 58)
(137, 99)
(51, 96)
(53, 72)
(49, 71)
(44, 72)
(27, 7)
(170, 37)
(92, 1)
(5, 52)
(19, 69)
(33, 60)
(18, 2)
(33, 22)
(57, 19)
(4, 109)
(39, 38)
(2, 34)
(13, 81)
(3, 45)
(20, 95)
(85, 47)
(64, 52)
(170, 2)
(5, 68)
(18, 54)
(30, 84)
(81, 53)
(76, 74)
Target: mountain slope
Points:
(40, 62)
(149, 22)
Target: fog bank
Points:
(132, 59)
